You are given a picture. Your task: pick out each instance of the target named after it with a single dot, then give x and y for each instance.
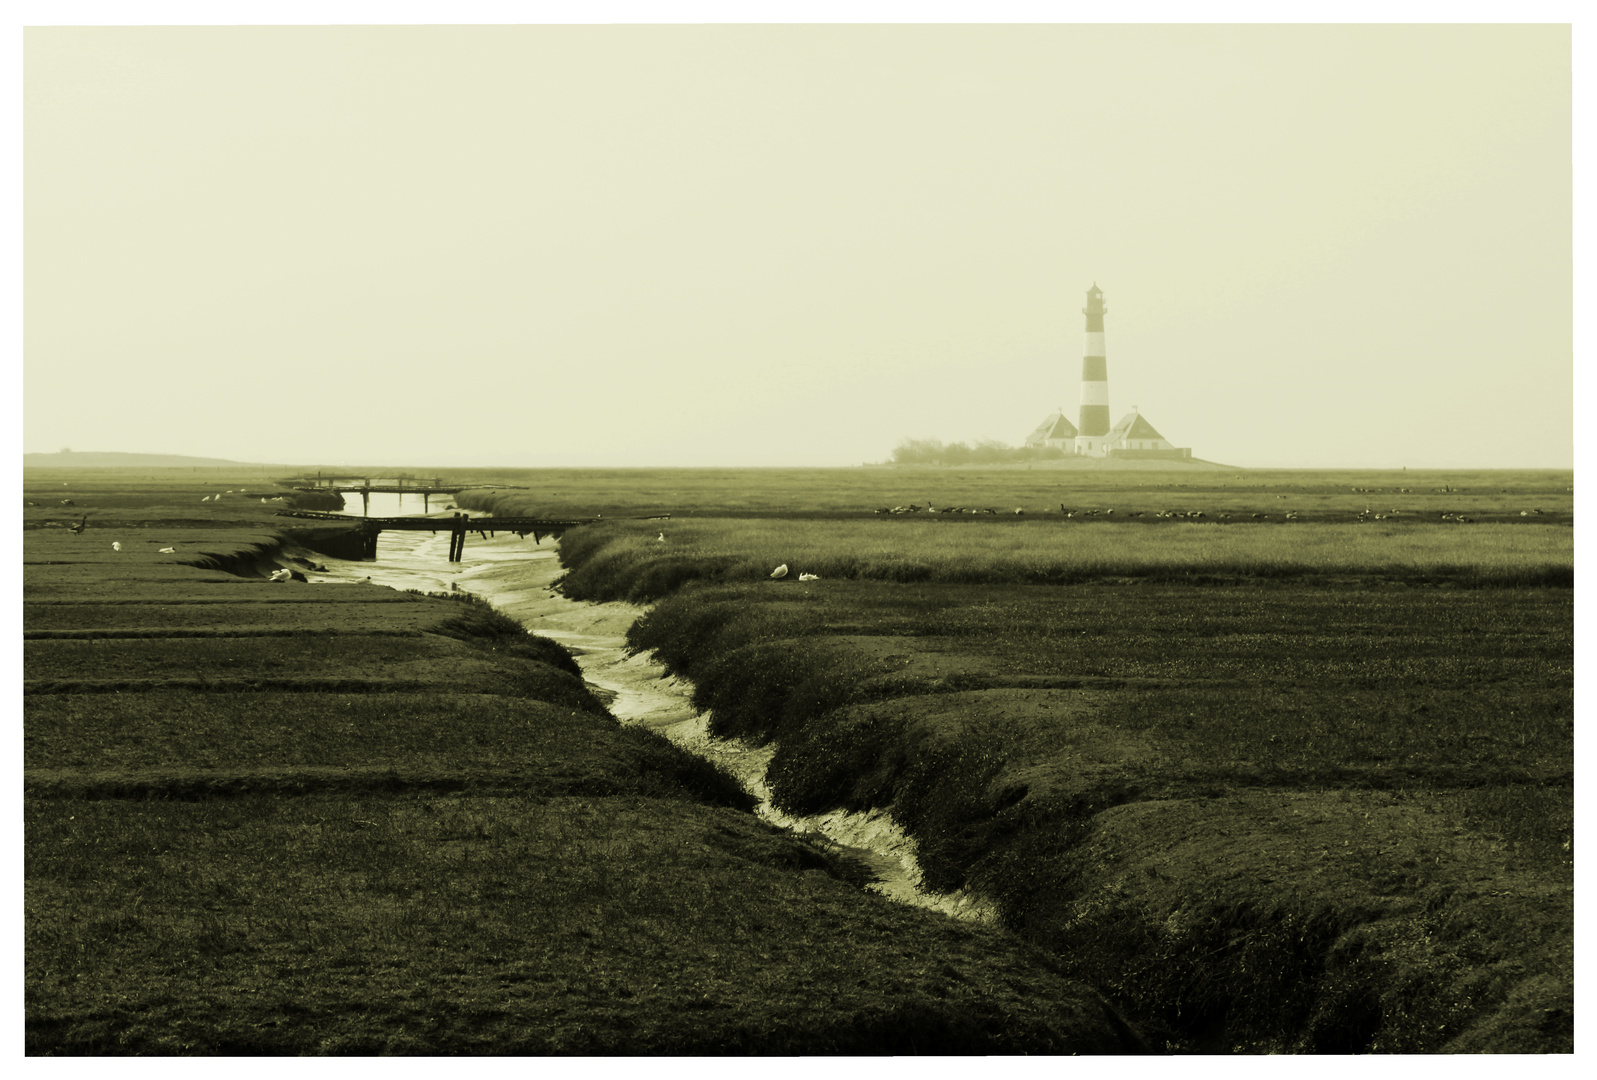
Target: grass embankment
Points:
(1321, 818)
(624, 560)
(293, 818)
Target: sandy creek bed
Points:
(514, 575)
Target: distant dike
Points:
(105, 459)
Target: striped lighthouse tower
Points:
(1094, 423)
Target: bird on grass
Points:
(780, 571)
(80, 526)
(116, 545)
(809, 577)
(660, 538)
(168, 551)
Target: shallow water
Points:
(516, 576)
(390, 504)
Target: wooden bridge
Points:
(367, 486)
(457, 525)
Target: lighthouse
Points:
(1094, 424)
(1133, 437)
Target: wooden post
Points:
(365, 502)
(424, 502)
(457, 538)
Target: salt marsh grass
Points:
(1330, 811)
(625, 560)
(287, 819)
(1320, 812)
(337, 923)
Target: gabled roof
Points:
(1133, 426)
(1062, 429)
(1056, 426)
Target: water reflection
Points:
(389, 504)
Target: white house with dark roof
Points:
(1057, 431)
(1135, 437)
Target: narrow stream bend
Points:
(516, 577)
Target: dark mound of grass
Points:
(184, 744)
(482, 620)
(47, 591)
(601, 570)
(1327, 758)
(497, 660)
(239, 615)
(416, 923)
(542, 650)
(1370, 927)
(326, 501)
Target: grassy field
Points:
(270, 818)
(1268, 784)
(627, 560)
(1485, 495)
(147, 498)
(1301, 786)
(350, 924)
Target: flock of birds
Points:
(218, 497)
(116, 545)
(930, 509)
(1367, 514)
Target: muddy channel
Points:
(516, 576)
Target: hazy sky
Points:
(789, 245)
